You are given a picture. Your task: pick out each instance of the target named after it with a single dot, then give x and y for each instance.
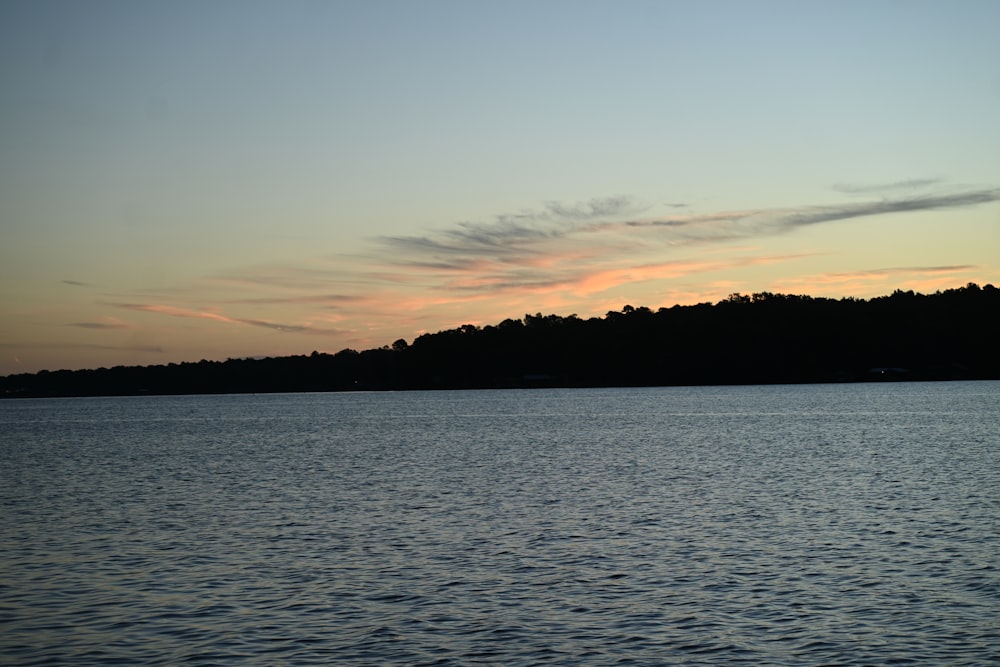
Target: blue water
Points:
(784, 525)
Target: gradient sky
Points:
(185, 180)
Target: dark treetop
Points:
(757, 339)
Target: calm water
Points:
(789, 525)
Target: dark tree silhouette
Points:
(758, 338)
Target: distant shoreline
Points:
(510, 388)
(760, 339)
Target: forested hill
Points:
(757, 339)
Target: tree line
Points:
(760, 338)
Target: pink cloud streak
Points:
(174, 311)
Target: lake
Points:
(848, 524)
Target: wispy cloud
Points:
(76, 283)
(747, 224)
(591, 248)
(332, 300)
(510, 233)
(516, 238)
(101, 325)
(174, 311)
(820, 214)
(595, 209)
(293, 279)
(909, 184)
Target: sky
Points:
(194, 180)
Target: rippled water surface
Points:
(788, 525)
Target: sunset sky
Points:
(185, 180)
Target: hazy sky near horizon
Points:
(187, 180)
